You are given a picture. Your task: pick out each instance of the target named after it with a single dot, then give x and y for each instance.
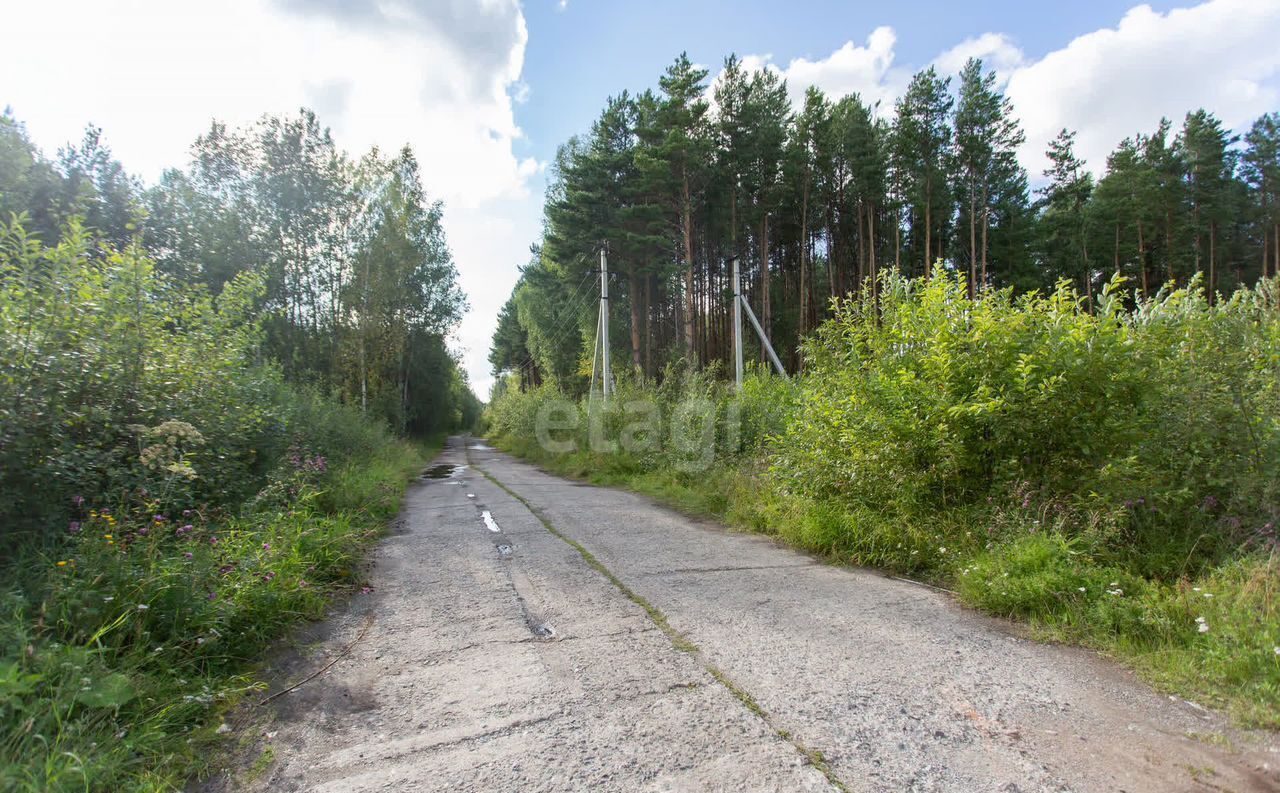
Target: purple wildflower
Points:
(159, 518)
(77, 501)
(143, 531)
(213, 595)
(186, 513)
(269, 575)
(266, 546)
(73, 526)
(213, 540)
(187, 554)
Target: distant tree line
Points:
(814, 201)
(361, 288)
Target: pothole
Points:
(504, 550)
(443, 471)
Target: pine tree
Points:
(923, 146)
(1063, 222)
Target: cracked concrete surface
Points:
(504, 660)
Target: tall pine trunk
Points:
(686, 223)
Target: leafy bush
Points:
(170, 506)
(1162, 422)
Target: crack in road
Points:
(678, 639)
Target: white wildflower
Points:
(1202, 626)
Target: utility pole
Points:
(739, 304)
(737, 326)
(604, 321)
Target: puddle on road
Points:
(443, 471)
(481, 446)
(489, 522)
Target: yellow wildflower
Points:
(62, 564)
(107, 537)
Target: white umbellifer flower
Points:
(1080, 588)
(1208, 594)
(1203, 626)
(143, 607)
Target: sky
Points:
(486, 90)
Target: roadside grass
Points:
(122, 644)
(1055, 584)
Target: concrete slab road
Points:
(531, 633)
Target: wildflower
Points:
(107, 537)
(1080, 589)
(364, 590)
(213, 540)
(187, 529)
(143, 607)
(1195, 589)
(1026, 502)
(1202, 626)
(108, 599)
(1209, 595)
(266, 546)
(186, 513)
(1117, 591)
(943, 549)
(77, 501)
(213, 596)
(1140, 501)
(302, 583)
(73, 526)
(1277, 650)
(105, 513)
(269, 575)
(142, 532)
(1128, 504)
(1210, 502)
(159, 518)
(62, 563)
(187, 554)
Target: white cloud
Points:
(996, 50)
(867, 70)
(441, 75)
(1107, 85)
(1114, 82)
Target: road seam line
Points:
(677, 639)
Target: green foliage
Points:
(170, 507)
(934, 401)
